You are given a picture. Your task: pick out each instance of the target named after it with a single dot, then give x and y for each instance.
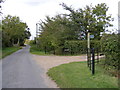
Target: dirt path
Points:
(47, 62)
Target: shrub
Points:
(80, 47)
(111, 50)
(32, 42)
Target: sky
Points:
(31, 11)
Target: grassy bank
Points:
(78, 75)
(9, 50)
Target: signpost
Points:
(91, 36)
(91, 63)
(88, 50)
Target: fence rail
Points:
(92, 58)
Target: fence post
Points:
(93, 61)
(89, 58)
(97, 55)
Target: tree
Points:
(1, 1)
(90, 19)
(14, 31)
(74, 26)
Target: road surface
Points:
(19, 70)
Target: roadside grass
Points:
(78, 75)
(0, 53)
(39, 53)
(72, 55)
(8, 50)
(35, 50)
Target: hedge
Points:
(110, 47)
(80, 47)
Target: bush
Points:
(76, 47)
(69, 47)
(80, 47)
(110, 48)
(95, 44)
(32, 42)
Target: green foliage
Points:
(68, 30)
(14, 31)
(32, 42)
(95, 44)
(90, 19)
(54, 33)
(35, 50)
(8, 50)
(76, 46)
(111, 50)
(80, 47)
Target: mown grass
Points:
(8, 50)
(78, 75)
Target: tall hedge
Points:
(80, 46)
(110, 47)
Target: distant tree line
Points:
(14, 31)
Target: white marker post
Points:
(88, 40)
(88, 50)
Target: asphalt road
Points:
(19, 70)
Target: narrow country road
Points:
(19, 70)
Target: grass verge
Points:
(8, 50)
(35, 50)
(78, 75)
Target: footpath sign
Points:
(91, 36)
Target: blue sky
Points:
(31, 11)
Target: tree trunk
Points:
(18, 43)
(12, 42)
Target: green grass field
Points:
(8, 50)
(78, 75)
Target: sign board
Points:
(91, 36)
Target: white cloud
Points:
(31, 11)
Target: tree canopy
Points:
(14, 31)
(90, 19)
(62, 28)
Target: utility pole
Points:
(37, 28)
(119, 17)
